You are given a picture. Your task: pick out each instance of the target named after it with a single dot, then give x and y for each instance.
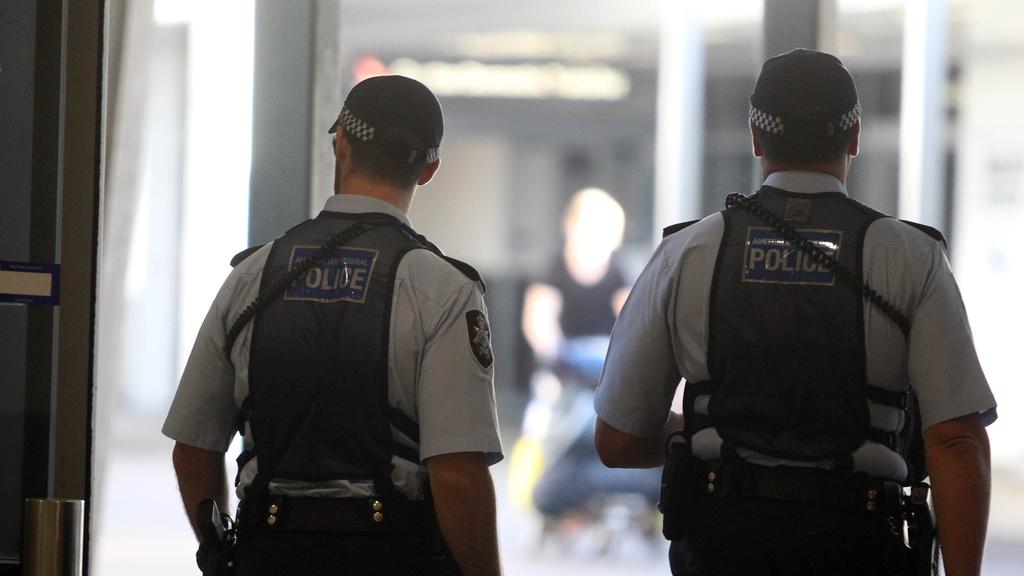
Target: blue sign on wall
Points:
(30, 283)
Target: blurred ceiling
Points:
(625, 33)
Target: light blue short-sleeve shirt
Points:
(434, 376)
(661, 336)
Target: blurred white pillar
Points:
(680, 127)
(215, 205)
(922, 112)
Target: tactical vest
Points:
(786, 351)
(318, 405)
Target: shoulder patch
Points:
(241, 256)
(932, 232)
(479, 338)
(670, 230)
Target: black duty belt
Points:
(357, 515)
(856, 492)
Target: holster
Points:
(216, 553)
(921, 540)
(677, 480)
(441, 561)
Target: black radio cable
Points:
(283, 282)
(795, 238)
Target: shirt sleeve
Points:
(455, 393)
(203, 411)
(943, 365)
(640, 373)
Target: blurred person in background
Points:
(567, 318)
(362, 385)
(801, 448)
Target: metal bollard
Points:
(53, 537)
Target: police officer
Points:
(799, 414)
(363, 383)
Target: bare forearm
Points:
(959, 467)
(464, 500)
(618, 449)
(201, 475)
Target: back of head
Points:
(593, 216)
(804, 107)
(394, 125)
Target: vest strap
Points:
(406, 425)
(888, 439)
(894, 398)
(692, 421)
(244, 458)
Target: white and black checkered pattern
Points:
(354, 126)
(850, 118)
(766, 122)
(433, 155)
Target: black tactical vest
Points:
(786, 345)
(318, 370)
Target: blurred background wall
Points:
(217, 120)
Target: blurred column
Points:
(281, 117)
(790, 24)
(329, 90)
(680, 127)
(922, 113)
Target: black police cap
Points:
(397, 116)
(804, 93)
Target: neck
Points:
(359, 185)
(839, 168)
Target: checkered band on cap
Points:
(846, 121)
(431, 155)
(766, 122)
(354, 126)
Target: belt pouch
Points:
(677, 478)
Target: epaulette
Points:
(670, 230)
(459, 265)
(467, 270)
(932, 232)
(238, 258)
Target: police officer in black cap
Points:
(355, 360)
(817, 339)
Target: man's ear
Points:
(341, 148)
(755, 142)
(854, 147)
(428, 172)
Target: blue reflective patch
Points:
(344, 275)
(770, 259)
